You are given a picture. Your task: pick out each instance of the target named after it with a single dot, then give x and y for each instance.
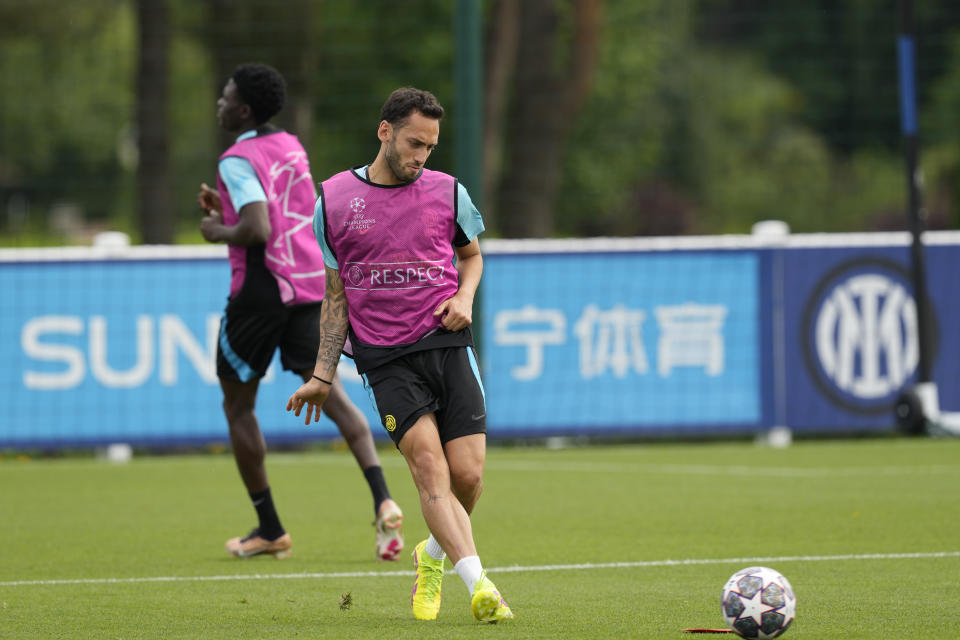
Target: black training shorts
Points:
(444, 381)
(249, 337)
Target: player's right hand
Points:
(312, 393)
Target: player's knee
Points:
(352, 426)
(428, 463)
(467, 480)
(430, 470)
(236, 410)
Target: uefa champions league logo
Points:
(860, 334)
(354, 275)
(357, 205)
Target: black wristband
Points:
(322, 380)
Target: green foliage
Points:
(193, 120)
(840, 63)
(624, 132)
(65, 97)
(719, 142)
(741, 131)
(705, 115)
(94, 549)
(941, 137)
(365, 51)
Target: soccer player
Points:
(262, 210)
(403, 263)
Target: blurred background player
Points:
(262, 208)
(394, 230)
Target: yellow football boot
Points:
(425, 598)
(487, 604)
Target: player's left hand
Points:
(312, 393)
(455, 313)
(211, 225)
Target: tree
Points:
(283, 36)
(64, 98)
(549, 88)
(154, 193)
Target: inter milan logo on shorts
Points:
(390, 422)
(357, 205)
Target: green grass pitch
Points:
(627, 541)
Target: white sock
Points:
(433, 549)
(470, 569)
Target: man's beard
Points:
(393, 161)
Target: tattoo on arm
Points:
(333, 322)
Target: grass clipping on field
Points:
(346, 601)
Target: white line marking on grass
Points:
(250, 576)
(511, 569)
(744, 561)
(719, 470)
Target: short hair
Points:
(262, 88)
(404, 101)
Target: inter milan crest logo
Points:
(357, 205)
(860, 334)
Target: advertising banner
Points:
(100, 351)
(851, 333)
(600, 337)
(633, 342)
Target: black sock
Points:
(270, 527)
(378, 486)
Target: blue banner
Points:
(852, 333)
(576, 338)
(621, 342)
(124, 350)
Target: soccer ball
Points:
(758, 602)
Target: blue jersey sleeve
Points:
(318, 226)
(241, 181)
(468, 218)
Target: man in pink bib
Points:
(403, 264)
(262, 208)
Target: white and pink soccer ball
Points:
(758, 602)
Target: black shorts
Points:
(443, 381)
(249, 337)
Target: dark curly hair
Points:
(404, 101)
(262, 88)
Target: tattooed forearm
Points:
(335, 293)
(333, 324)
